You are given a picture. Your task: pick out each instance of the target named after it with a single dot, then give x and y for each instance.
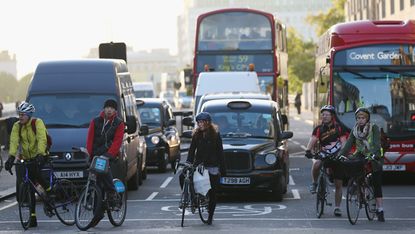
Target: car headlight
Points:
(155, 140)
(270, 159)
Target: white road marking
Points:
(8, 206)
(296, 194)
(296, 142)
(153, 195)
(303, 147)
(291, 181)
(294, 169)
(166, 182)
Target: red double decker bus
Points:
(235, 39)
(372, 64)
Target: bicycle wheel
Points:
(184, 201)
(202, 205)
(320, 196)
(25, 196)
(64, 198)
(370, 204)
(353, 201)
(87, 207)
(118, 209)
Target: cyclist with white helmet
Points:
(30, 146)
(331, 137)
(366, 137)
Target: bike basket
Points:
(353, 167)
(119, 186)
(100, 164)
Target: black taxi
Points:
(254, 143)
(163, 141)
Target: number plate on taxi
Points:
(69, 174)
(395, 167)
(235, 180)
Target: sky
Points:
(39, 30)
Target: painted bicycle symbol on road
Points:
(236, 211)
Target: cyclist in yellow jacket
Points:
(30, 146)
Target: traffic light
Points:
(113, 50)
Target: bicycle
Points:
(322, 190)
(93, 202)
(360, 190)
(190, 199)
(61, 199)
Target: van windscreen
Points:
(68, 110)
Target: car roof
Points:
(222, 104)
(235, 95)
(151, 101)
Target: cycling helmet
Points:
(362, 110)
(26, 108)
(328, 108)
(203, 116)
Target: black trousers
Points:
(377, 183)
(35, 176)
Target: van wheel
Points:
(133, 181)
(163, 163)
(140, 172)
(144, 173)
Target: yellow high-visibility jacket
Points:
(31, 144)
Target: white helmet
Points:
(26, 108)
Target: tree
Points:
(22, 86)
(8, 87)
(301, 60)
(324, 21)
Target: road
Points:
(154, 207)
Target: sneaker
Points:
(337, 212)
(210, 220)
(96, 220)
(313, 188)
(48, 210)
(381, 216)
(33, 221)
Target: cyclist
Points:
(330, 135)
(206, 147)
(30, 146)
(105, 135)
(366, 137)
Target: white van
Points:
(215, 82)
(144, 90)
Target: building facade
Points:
(292, 13)
(8, 63)
(379, 10)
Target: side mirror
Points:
(171, 122)
(187, 134)
(284, 119)
(188, 121)
(144, 130)
(131, 122)
(286, 135)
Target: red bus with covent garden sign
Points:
(371, 64)
(234, 39)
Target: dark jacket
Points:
(105, 139)
(207, 150)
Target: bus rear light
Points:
(413, 117)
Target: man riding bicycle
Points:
(30, 146)
(105, 135)
(331, 137)
(366, 137)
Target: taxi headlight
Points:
(270, 159)
(155, 140)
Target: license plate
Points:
(235, 180)
(394, 167)
(69, 174)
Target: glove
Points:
(9, 163)
(308, 154)
(41, 160)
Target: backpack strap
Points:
(33, 123)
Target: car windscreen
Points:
(150, 116)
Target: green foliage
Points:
(301, 61)
(11, 89)
(324, 21)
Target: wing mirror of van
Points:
(131, 122)
(188, 121)
(171, 122)
(144, 130)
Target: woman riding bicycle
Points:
(366, 137)
(32, 148)
(330, 135)
(206, 148)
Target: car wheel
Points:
(133, 181)
(163, 163)
(140, 172)
(144, 173)
(278, 188)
